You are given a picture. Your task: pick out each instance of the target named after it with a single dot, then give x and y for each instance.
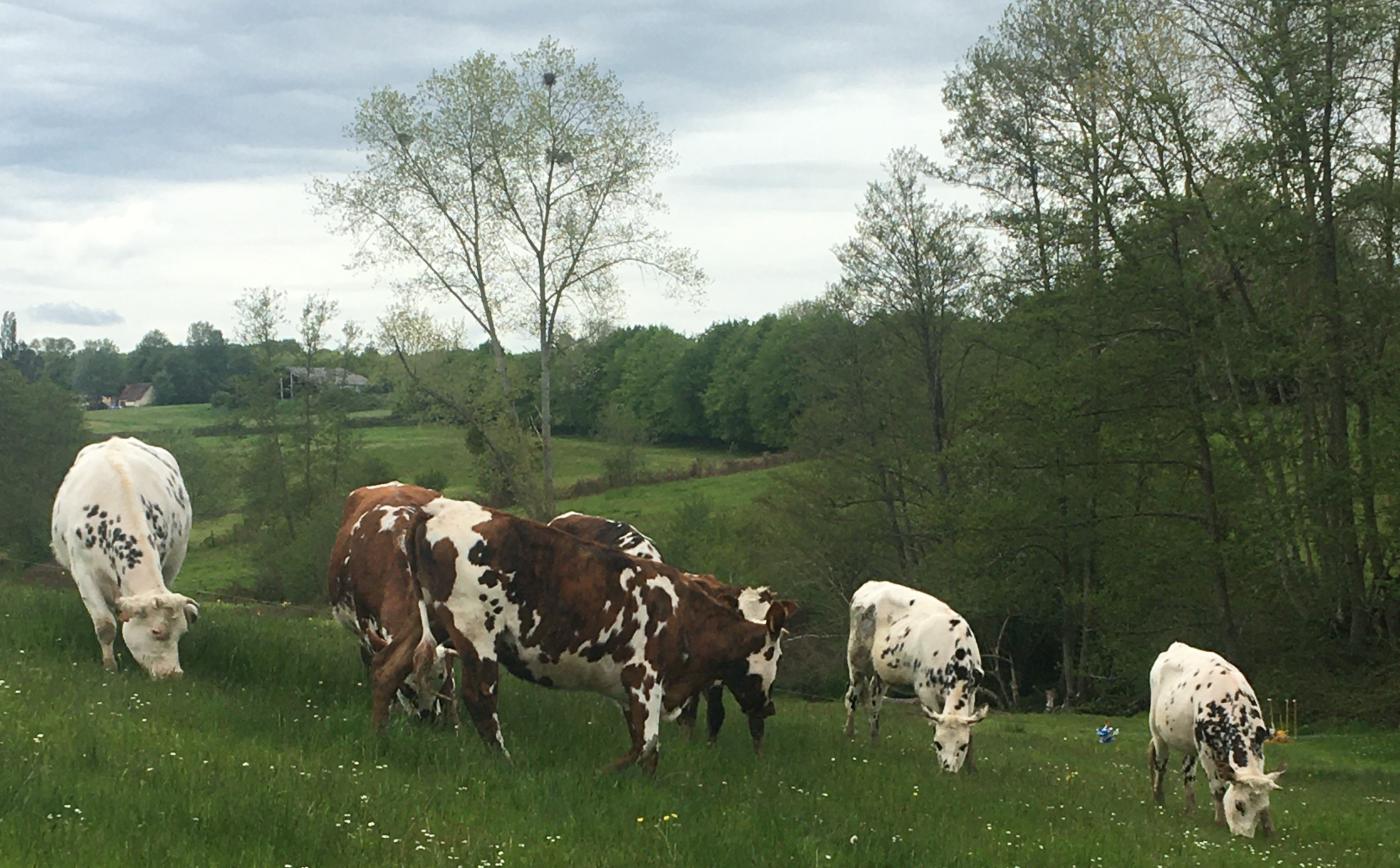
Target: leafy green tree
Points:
(518, 189)
(15, 352)
(99, 369)
(40, 433)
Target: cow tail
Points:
(420, 554)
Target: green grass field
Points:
(216, 564)
(407, 450)
(262, 755)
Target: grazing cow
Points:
(752, 603)
(374, 593)
(1203, 706)
(562, 612)
(907, 638)
(121, 524)
(607, 532)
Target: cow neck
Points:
(146, 576)
(712, 610)
(955, 695)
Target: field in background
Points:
(217, 563)
(262, 756)
(408, 451)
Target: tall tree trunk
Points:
(1214, 524)
(546, 434)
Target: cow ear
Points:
(789, 606)
(1274, 776)
(777, 616)
(1225, 771)
(932, 715)
(126, 611)
(191, 610)
(979, 715)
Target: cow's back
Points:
(908, 634)
(607, 532)
(1185, 682)
(370, 579)
(121, 508)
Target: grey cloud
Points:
(72, 313)
(248, 89)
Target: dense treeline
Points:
(1161, 402)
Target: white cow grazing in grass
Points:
(1203, 706)
(907, 638)
(121, 523)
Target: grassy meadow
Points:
(407, 450)
(218, 562)
(262, 755)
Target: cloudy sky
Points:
(155, 155)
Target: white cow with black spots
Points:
(905, 638)
(121, 524)
(1204, 707)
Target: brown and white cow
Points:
(374, 592)
(562, 612)
(752, 603)
(608, 532)
(121, 524)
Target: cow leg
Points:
(855, 697)
(387, 673)
(1188, 777)
(642, 712)
(1157, 761)
(480, 679)
(714, 711)
(877, 698)
(103, 624)
(1217, 795)
(690, 709)
(757, 724)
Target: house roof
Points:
(134, 391)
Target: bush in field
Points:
(299, 464)
(625, 434)
(435, 479)
(40, 432)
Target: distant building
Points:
(136, 395)
(335, 378)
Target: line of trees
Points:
(1149, 392)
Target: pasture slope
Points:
(262, 755)
(219, 563)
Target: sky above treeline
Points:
(155, 155)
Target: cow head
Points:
(152, 625)
(432, 678)
(753, 687)
(1246, 800)
(952, 736)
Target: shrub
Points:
(436, 479)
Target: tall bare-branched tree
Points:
(515, 190)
